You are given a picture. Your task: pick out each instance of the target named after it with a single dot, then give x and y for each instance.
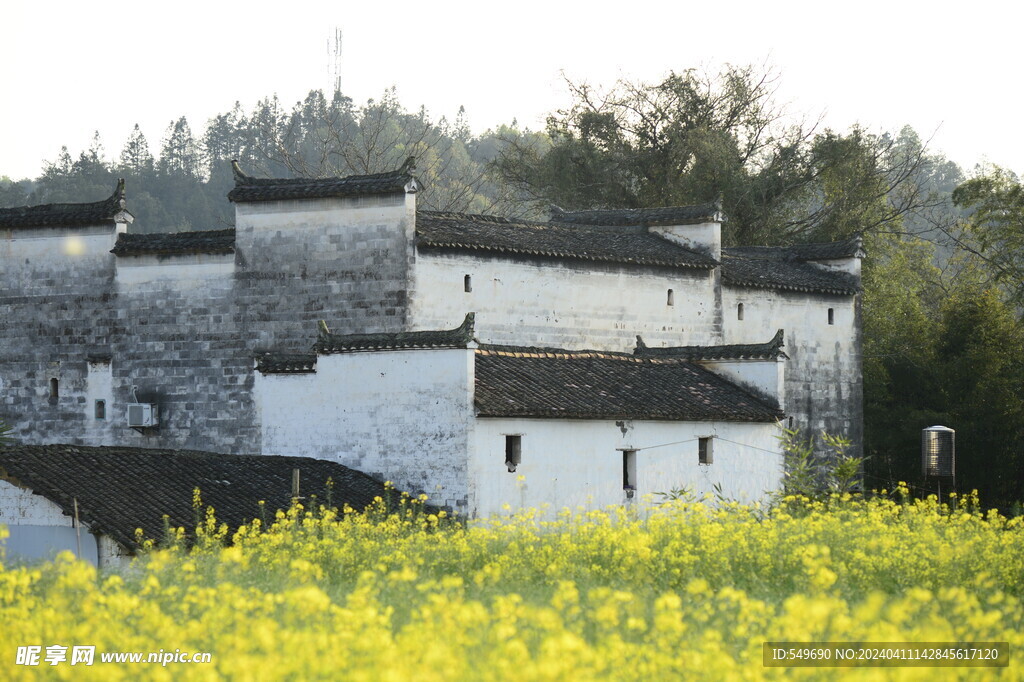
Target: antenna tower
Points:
(334, 62)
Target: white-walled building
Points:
(609, 354)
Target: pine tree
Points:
(179, 155)
(136, 157)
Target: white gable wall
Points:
(568, 463)
(404, 416)
(823, 374)
(562, 304)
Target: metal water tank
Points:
(938, 452)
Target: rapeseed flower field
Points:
(681, 590)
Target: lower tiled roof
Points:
(549, 383)
(785, 275)
(120, 489)
(665, 215)
(460, 337)
(57, 215)
(492, 235)
(852, 247)
(736, 351)
(175, 243)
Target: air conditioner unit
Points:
(141, 415)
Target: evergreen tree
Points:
(179, 154)
(135, 157)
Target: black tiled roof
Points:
(57, 215)
(120, 489)
(490, 234)
(784, 274)
(248, 188)
(460, 337)
(667, 215)
(737, 351)
(538, 382)
(272, 362)
(846, 248)
(173, 243)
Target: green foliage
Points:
(996, 201)
(694, 137)
(830, 471)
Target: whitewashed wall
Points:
(100, 386)
(567, 463)
(564, 305)
(405, 416)
(38, 528)
(186, 271)
(823, 373)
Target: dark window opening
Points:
(467, 283)
(54, 388)
(513, 452)
(629, 470)
(739, 312)
(791, 422)
(705, 451)
(100, 408)
(831, 316)
(671, 297)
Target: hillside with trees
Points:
(943, 281)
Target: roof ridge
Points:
(243, 179)
(249, 188)
(66, 213)
(771, 349)
(646, 216)
(459, 337)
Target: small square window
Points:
(100, 409)
(705, 451)
(513, 452)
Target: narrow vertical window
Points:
(831, 316)
(54, 388)
(790, 422)
(467, 283)
(739, 311)
(705, 451)
(513, 452)
(671, 297)
(100, 409)
(629, 470)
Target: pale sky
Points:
(951, 70)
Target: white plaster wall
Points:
(563, 305)
(54, 244)
(38, 528)
(823, 373)
(763, 377)
(99, 386)
(186, 270)
(329, 214)
(109, 554)
(20, 507)
(405, 416)
(568, 463)
(702, 237)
